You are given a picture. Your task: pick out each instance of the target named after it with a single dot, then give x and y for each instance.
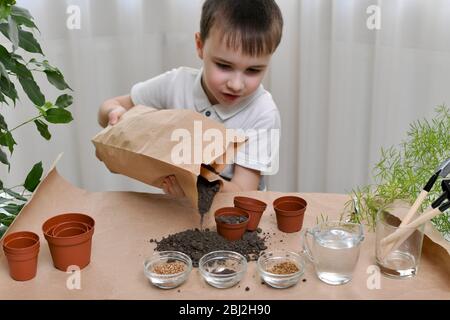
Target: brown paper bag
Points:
(148, 144)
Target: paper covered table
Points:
(126, 221)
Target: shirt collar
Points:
(201, 100)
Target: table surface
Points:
(126, 221)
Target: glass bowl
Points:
(276, 268)
(168, 269)
(222, 269)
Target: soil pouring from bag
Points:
(196, 243)
(206, 192)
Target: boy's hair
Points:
(254, 26)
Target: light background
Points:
(343, 91)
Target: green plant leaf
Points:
(5, 11)
(21, 12)
(25, 22)
(57, 79)
(22, 17)
(1, 187)
(26, 39)
(32, 90)
(28, 42)
(13, 208)
(3, 71)
(8, 59)
(43, 129)
(34, 177)
(3, 124)
(14, 194)
(3, 157)
(64, 101)
(3, 200)
(58, 115)
(6, 139)
(13, 33)
(18, 68)
(7, 220)
(8, 89)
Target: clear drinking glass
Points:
(397, 259)
(334, 250)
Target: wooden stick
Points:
(412, 211)
(390, 247)
(399, 233)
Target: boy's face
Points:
(228, 75)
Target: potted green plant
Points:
(21, 57)
(402, 171)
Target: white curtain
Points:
(343, 91)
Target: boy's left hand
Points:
(171, 186)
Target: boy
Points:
(236, 41)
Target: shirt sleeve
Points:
(261, 150)
(153, 92)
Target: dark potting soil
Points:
(196, 243)
(232, 219)
(206, 192)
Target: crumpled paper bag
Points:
(149, 144)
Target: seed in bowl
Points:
(169, 267)
(286, 267)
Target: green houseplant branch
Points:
(18, 29)
(402, 171)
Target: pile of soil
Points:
(196, 243)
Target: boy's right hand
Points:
(115, 114)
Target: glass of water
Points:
(399, 259)
(334, 249)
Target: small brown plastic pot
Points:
(21, 250)
(230, 231)
(51, 223)
(69, 229)
(22, 242)
(69, 246)
(290, 215)
(289, 199)
(255, 209)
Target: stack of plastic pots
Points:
(234, 230)
(255, 209)
(69, 238)
(21, 250)
(290, 211)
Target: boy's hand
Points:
(172, 187)
(115, 114)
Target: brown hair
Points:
(254, 26)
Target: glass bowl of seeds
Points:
(281, 269)
(168, 269)
(222, 269)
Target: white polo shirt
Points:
(181, 89)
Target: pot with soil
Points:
(231, 222)
(290, 211)
(255, 209)
(21, 250)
